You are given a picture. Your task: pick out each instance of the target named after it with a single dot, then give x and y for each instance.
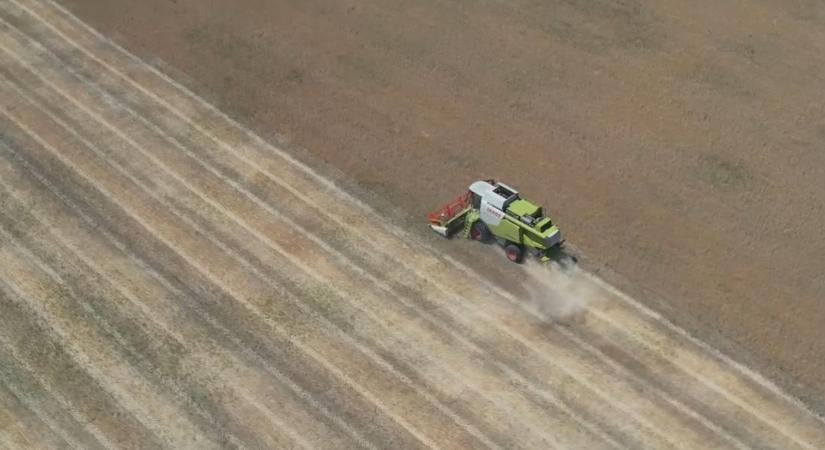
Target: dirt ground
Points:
(678, 144)
(170, 279)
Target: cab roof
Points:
(496, 194)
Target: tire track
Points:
(575, 340)
(695, 415)
(126, 174)
(655, 350)
(219, 280)
(741, 391)
(651, 427)
(734, 389)
(534, 390)
(187, 299)
(292, 224)
(23, 386)
(162, 369)
(310, 172)
(605, 397)
(150, 314)
(225, 287)
(135, 145)
(84, 410)
(14, 432)
(48, 434)
(102, 321)
(45, 297)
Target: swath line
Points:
(688, 411)
(87, 424)
(694, 415)
(576, 418)
(135, 302)
(640, 420)
(167, 284)
(223, 247)
(32, 383)
(610, 322)
(177, 423)
(313, 354)
(343, 376)
(395, 294)
(212, 203)
(13, 432)
(57, 432)
(332, 186)
(84, 422)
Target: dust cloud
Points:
(559, 292)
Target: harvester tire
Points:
(514, 252)
(479, 232)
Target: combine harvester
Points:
(494, 210)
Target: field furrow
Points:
(170, 279)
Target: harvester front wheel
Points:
(479, 232)
(514, 252)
